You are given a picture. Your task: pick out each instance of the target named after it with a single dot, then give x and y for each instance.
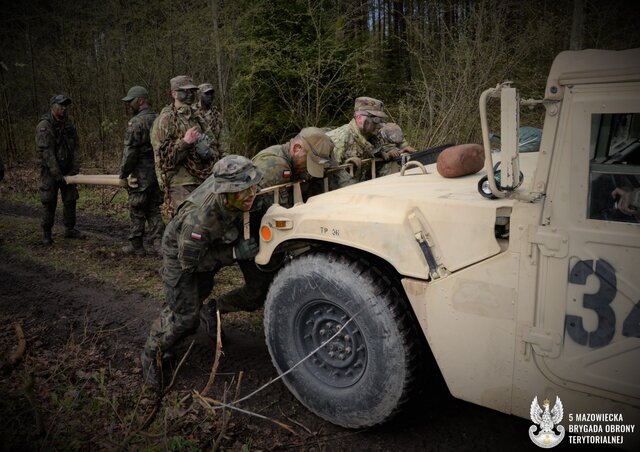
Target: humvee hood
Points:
(384, 215)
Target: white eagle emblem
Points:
(545, 419)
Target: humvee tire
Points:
(367, 372)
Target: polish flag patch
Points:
(196, 236)
(286, 173)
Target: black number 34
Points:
(600, 303)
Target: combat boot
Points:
(149, 370)
(46, 238)
(134, 248)
(157, 247)
(73, 233)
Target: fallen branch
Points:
(227, 417)
(206, 402)
(19, 353)
(216, 361)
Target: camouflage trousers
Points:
(251, 295)
(49, 188)
(180, 313)
(144, 208)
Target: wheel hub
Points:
(342, 360)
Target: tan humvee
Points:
(533, 294)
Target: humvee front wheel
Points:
(365, 370)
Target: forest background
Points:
(280, 65)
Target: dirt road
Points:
(83, 341)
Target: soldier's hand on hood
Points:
(246, 249)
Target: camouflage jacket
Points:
(182, 166)
(58, 146)
(349, 142)
(276, 166)
(137, 158)
(200, 237)
(213, 118)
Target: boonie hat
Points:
(182, 82)
(60, 99)
(392, 133)
(319, 149)
(135, 91)
(370, 105)
(205, 87)
(234, 173)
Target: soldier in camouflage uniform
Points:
(59, 156)
(184, 147)
(211, 114)
(146, 198)
(204, 235)
(357, 139)
(304, 158)
(391, 145)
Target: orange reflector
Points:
(281, 224)
(265, 233)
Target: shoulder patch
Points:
(43, 129)
(196, 236)
(286, 173)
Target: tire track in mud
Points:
(32, 290)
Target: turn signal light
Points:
(265, 233)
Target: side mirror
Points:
(510, 138)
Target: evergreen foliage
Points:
(280, 65)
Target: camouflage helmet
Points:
(234, 173)
(392, 133)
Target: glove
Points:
(246, 250)
(129, 182)
(392, 154)
(202, 148)
(356, 161)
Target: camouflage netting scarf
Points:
(167, 160)
(167, 153)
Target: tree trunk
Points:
(577, 26)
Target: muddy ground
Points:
(79, 386)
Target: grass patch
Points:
(93, 258)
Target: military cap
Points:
(135, 91)
(370, 105)
(60, 99)
(234, 173)
(205, 87)
(182, 82)
(319, 150)
(392, 133)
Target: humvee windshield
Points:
(614, 163)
